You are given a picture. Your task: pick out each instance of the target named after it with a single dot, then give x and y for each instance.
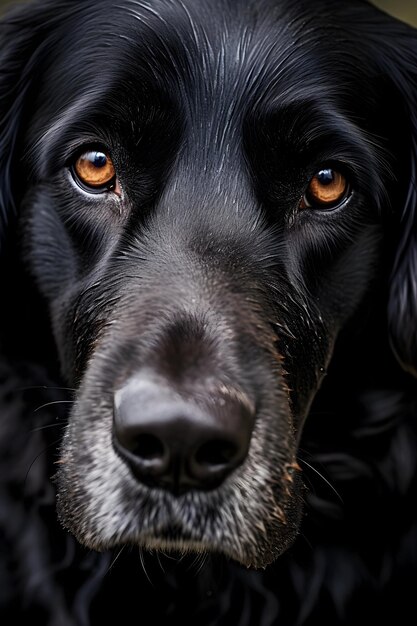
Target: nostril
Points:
(144, 452)
(216, 452)
(214, 460)
(148, 447)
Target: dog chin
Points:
(254, 546)
(250, 556)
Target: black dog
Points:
(206, 207)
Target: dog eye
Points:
(95, 170)
(327, 190)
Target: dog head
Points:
(205, 195)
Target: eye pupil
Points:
(98, 159)
(325, 177)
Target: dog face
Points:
(207, 209)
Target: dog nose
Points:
(177, 444)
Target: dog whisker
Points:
(142, 562)
(43, 406)
(41, 453)
(323, 478)
(59, 424)
(119, 552)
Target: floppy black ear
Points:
(396, 54)
(402, 304)
(22, 38)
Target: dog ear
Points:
(22, 35)
(397, 59)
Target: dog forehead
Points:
(179, 46)
(210, 63)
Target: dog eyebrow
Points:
(84, 107)
(316, 129)
(93, 117)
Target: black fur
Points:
(203, 269)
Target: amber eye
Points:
(326, 190)
(94, 169)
